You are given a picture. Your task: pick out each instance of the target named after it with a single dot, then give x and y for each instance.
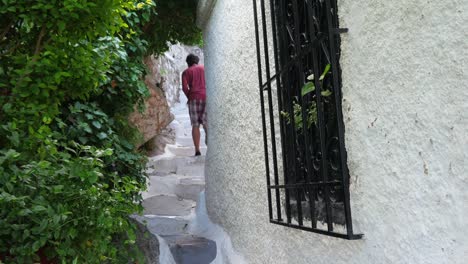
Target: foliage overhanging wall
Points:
(70, 74)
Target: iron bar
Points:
(273, 14)
(300, 80)
(312, 192)
(319, 231)
(322, 135)
(290, 147)
(270, 100)
(340, 30)
(262, 102)
(337, 85)
(304, 185)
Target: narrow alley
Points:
(174, 204)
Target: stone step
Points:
(186, 130)
(167, 166)
(163, 225)
(161, 185)
(190, 188)
(188, 141)
(184, 151)
(166, 184)
(180, 130)
(186, 123)
(167, 205)
(182, 117)
(180, 109)
(191, 170)
(162, 166)
(188, 249)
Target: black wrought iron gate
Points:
(298, 48)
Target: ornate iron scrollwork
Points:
(305, 39)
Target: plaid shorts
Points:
(197, 111)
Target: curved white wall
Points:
(406, 115)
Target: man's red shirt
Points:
(193, 82)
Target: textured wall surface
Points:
(406, 115)
(157, 114)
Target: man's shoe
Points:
(197, 153)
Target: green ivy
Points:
(71, 72)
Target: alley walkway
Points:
(176, 179)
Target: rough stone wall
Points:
(406, 117)
(157, 114)
(163, 82)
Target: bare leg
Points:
(196, 137)
(205, 127)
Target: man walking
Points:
(193, 85)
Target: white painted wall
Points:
(406, 115)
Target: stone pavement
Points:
(176, 179)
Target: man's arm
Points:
(185, 86)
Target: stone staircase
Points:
(176, 179)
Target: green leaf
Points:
(83, 140)
(61, 26)
(108, 152)
(38, 208)
(57, 189)
(326, 93)
(56, 219)
(43, 164)
(14, 138)
(9, 187)
(46, 120)
(325, 71)
(93, 177)
(72, 233)
(7, 107)
(102, 135)
(97, 124)
(36, 246)
(87, 128)
(307, 88)
(24, 212)
(42, 226)
(26, 234)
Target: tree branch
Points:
(6, 30)
(37, 50)
(39, 41)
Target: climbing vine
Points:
(70, 74)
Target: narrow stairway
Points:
(176, 179)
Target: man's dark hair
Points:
(192, 59)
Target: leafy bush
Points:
(70, 74)
(63, 205)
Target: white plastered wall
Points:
(405, 107)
